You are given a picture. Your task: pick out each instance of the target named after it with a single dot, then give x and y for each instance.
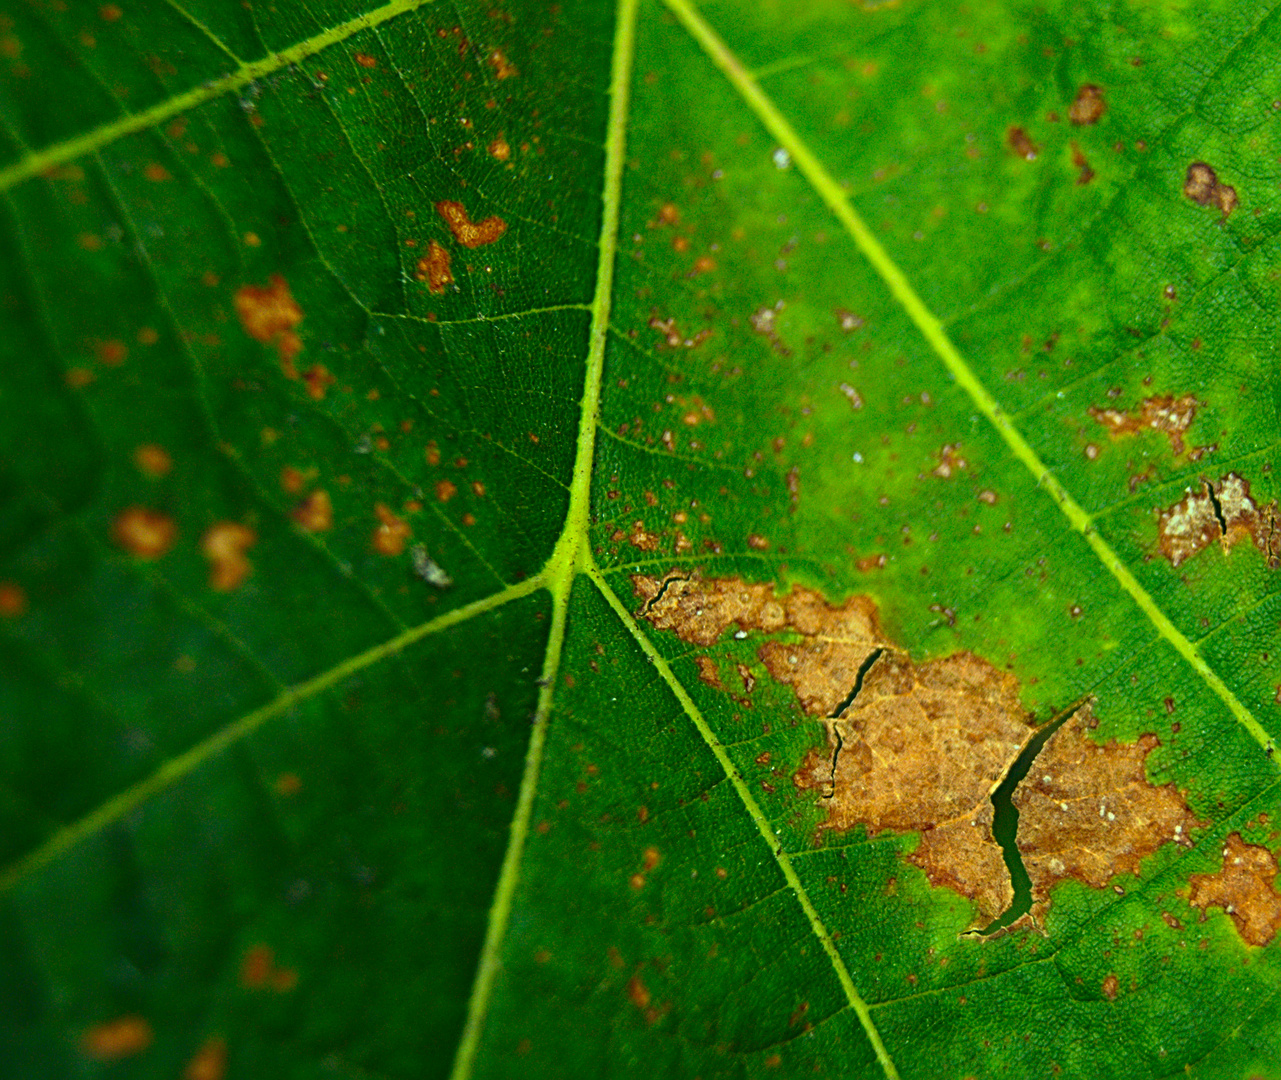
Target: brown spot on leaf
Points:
(433, 268)
(1221, 510)
(641, 538)
(503, 68)
(1245, 888)
(391, 533)
(950, 461)
(709, 672)
(269, 314)
(1088, 106)
(224, 545)
(1201, 185)
(638, 992)
(13, 600)
(318, 380)
(1019, 141)
(148, 534)
(210, 1061)
(152, 460)
(1087, 811)
(1083, 163)
(116, 1039)
(1110, 986)
(468, 233)
(315, 513)
(922, 748)
(1162, 412)
(499, 149)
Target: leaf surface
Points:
(734, 540)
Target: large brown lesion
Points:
(922, 747)
(1245, 888)
(1221, 510)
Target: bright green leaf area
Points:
(331, 737)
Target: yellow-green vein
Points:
(571, 554)
(176, 768)
(758, 817)
(932, 330)
(38, 161)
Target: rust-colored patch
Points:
(315, 513)
(446, 490)
(148, 534)
(950, 462)
(1088, 106)
(269, 314)
(642, 538)
(922, 748)
(111, 353)
(468, 233)
(224, 545)
(318, 380)
(709, 672)
(503, 67)
(391, 534)
(499, 149)
(1201, 185)
(1162, 412)
(1245, 888)
(1083, 163)
(256, 966)
(210, 1061)
(116, 1039)
(1088, 812)
(13, 600)
(1021, 143)
(433, 268)
(156, 173)
(1110, 987)
(152, 460)
(288, 784)
(638, 992)
(1221, 510)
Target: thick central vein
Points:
(932, 330)
(572, 554)
(39, 161)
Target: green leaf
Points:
(734, 540)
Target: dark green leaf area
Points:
(299, 889)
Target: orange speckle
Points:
(668, 214)
(112, 353)
(109, 12)
(652, 858)
(432, 454)
(210, 1062)
(78, 377)
(269, 314)
(220, 160)
(147, 336)
(773, 1061)
(636, 881)
(252, 239)
(153, 460)
(757, 542)
(318, 380)
(365, 60)
(469, 519)
(292, 480)
(503, 68)
(680, 244)
(638, 992)
(315, 513)
(256, 967)
(120, 1038)
(156, 173)
(89, 241)
(703, 264)
(288, 784)
(477, 488)
(446, 490)
(283, 980)
(468, 233)
(391, 534)
(13, 601)
(433, 268)
(224, 545)
(148, 534)
(499, 150)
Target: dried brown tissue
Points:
(1222, 510)
(922, 746)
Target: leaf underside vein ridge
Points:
(829, 190)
